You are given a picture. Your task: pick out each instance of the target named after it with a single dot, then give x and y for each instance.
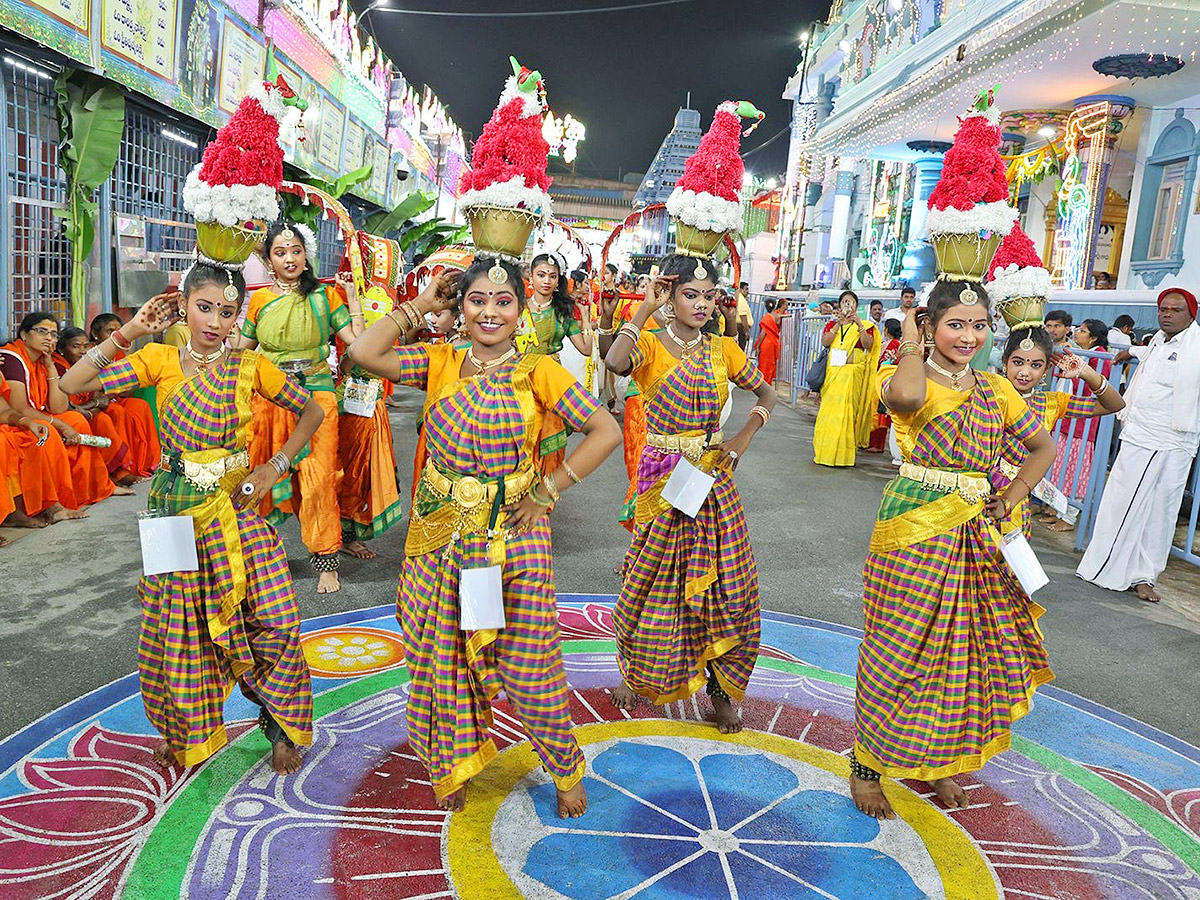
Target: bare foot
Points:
(18, 519)
(3, 542)
(120, 490)
(728, 721)
(127, 479)
(1060, 525)
(868, 796)
(59, 513)
(163, 755)
(1148, 593)
(285, 758)
(328, 583)
(358, 550)
(624, 697)
(950, 792)
(455, 802)
(573, 803)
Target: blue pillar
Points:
(919, 265)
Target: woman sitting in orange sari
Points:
(72, 343)
(132, 415)
(28, 366)
(35, 477)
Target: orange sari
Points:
(768, 347)
(116, 455)
(41, 476)
(89, 476)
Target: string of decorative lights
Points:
(934, 94)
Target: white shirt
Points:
(1149, 414)
(1118, 338)
(897, 314)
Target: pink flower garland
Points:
(511, 145)
(1015, 248)
(716, 167)
(246, 150)
(973, 171)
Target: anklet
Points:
(861, 772)
(329, 563)
(714, 689)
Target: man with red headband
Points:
(1135, 524)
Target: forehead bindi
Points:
(1173, 303)
(967, 314)
(291, 246)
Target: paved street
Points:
(69, 620)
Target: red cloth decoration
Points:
(511, 144)
(1015, 248)
(246, 150)
(973, 171)
(716, 167)
(1187, 295)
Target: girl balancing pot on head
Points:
(688, 614)
(1028, 356)
(951, 652)
(552, 310)
(479, 537)
(234, 618)
(292, 321)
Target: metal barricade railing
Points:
(807, 347)
(1104, 434)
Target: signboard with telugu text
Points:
(332, 128)
(142, 32)
(352, 155)
(243, 62)
(62, 25)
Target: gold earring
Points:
(183, 314)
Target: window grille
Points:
(153, 234)
(39, 256)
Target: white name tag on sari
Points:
(1023, 561)
(838, 357)
(168, 544)
(360, 396)
(687, 487)
(481, 599)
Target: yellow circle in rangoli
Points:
(476, 873)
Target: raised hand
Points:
(439, 294)
(154, 316)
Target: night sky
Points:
(623, 74)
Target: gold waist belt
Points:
(972, 488)
(690, 445)
(205, 475)
(467, 492)
(468, 512)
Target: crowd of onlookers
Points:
(60, 453)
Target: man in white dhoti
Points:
(1135, 524)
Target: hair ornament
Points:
(1027, 344)
(700, 273)
(497, 274)
(230, 292)
(968, 296)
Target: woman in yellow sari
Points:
(848, 396)
(292, 322)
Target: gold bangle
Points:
(1024, 482)
(551, 488)
(571, 472)
(547, 503)
(397, 322)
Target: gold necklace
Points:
(685, 346)
(955, 377)
(535, 308)
(284, 286)
(201, 360)
(484, 365)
